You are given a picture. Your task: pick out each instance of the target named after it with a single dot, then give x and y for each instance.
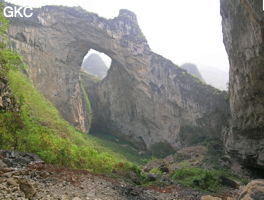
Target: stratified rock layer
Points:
(144, 98)
(243, 23)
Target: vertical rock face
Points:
(144, 98)
(243, 22)
(158, 103)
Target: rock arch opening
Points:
(96, 63)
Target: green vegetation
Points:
(155, 171)
(87, 104)
(198, 178)
(122, 147)
(202, 179)
(88, 78)
(87, 101)
(38, 128)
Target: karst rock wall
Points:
(243, 29)
(145, 98)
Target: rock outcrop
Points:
(95, 65)
(145, 98)
(193, 70)
(243, 37)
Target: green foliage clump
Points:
(155, 171)
(200, 178)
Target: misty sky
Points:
(180, 30)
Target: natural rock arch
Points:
(144, 98)
(54, 42)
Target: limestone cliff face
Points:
(165, 104)
(243, 23)
(144, 98)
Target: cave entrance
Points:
(96, 63)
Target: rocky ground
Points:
(24, 176)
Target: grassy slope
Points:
(122, 147)
(44, 132)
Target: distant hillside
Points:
(95, 65)
(193, 70)
(210, 75)
(215, 77)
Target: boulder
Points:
(12, 182)
(209, 197)
(2, 164)
(28, 189)
(253, 191)
(228, 182)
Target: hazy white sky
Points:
(180, 30)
